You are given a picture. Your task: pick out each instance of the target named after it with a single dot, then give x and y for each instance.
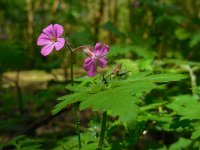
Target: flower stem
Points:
(75, 105)
(103, 129)
(71, 70)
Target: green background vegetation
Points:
(159, 38)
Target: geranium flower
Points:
(50, 38)
(95, 57)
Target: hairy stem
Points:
(75, 105)
(103, 129)
(193, 80)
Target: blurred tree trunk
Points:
(116, 11)
(115, 19)
(131, 13)
(98, 19)
(30, 16)
(110, 18)
(19, 93)
(54, 10)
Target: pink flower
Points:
(95, 57)
(50, 38)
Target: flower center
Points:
(88, 52)
(53, 39)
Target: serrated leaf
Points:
(69, 99)
(186, 106)
(119, 100)
(24, 143)
(160, 118)
(89, 142)
(157, 78)
(119, 97)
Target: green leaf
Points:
(197, 90)
(157, 78)
(69, 99)
(180, 144)
(181, 34)
(119, 101)
(24, 143)
(119, 98)
(89, 142)
(145, 64)
(187, 106)
(195, 39)
(152, 106)
(159, 117)
(128, 64)
(196, 133)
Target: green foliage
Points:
(141, 51)
(12, 56)
(89, 142)
(118, 97)
(23, 143)
(180, 144)
(188, 108)
(144, 35)
(196, 133)
(181, 34)
(81, 38)
(109, 26)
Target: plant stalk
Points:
(193, 79)
(19, 93)
(75, 105)
(103, 130)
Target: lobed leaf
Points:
(187, 106)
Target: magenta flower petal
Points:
(43, 40)
(102, 62)
(58, 29)
(51, 37)
(47, 49)
(87, 63)
(95, 57)
(49, 31)
(60, 43)
(104, 50)
(101, 51)
(97, 47)
(90, 66)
